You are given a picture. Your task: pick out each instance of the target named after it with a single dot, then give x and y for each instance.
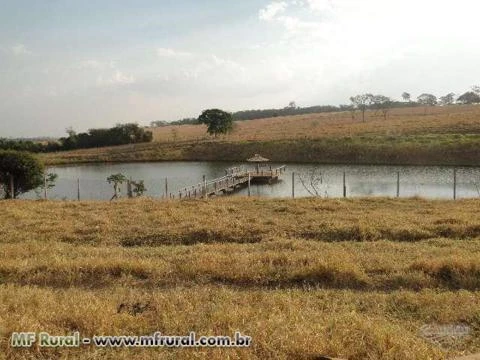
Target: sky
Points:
(89, 64)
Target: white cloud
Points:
(351, 44)
(90, 64)
(272, 10)
(171, 53)
(20, 49)
(275, 12)
(102, 73)
(117, 78)
(320, 5)
(215, 69)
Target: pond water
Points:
(428, 182)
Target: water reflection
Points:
(429, 182)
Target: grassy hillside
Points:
(444, 136)
(405, 121)
(348, 278)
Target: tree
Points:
(48, 183)
(406, 97)
(312, 181)
(291, 105)
(469, 98)
(427, 100)
(118, 135)
(138, 187)
(20, 170)
(383, 104)
(362, 102)
(448, 99)
(116, 180)
(218, 121)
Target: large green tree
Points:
(469, 97)
(427, 100)
(217, 121)
(22, 169)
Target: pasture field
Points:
(440, 136)
(354, 278)
(402, 121)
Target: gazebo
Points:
(258, 159)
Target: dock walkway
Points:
(234, 179)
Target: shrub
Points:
(23, 169)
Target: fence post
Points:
(293, 185)
(78, 189)
(344, 185)
(454, 183)
(129, 188)
(45, 186)
(12, 187)
(249, 184)
(398, 184)
(166, 188)
(205, 186)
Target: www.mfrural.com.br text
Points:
(44, 339)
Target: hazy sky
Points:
(97, 63)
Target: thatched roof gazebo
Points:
(258, 159)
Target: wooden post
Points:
(249, 193)
(45, 186)
(454, 183)
(78, 189)
(293, 185)
(129, 188)
(398, 184)
(344, 185)
(166, 188)
(12, 187)
(205, 186)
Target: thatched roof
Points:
(257, 158)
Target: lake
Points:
(424, 181)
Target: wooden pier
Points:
(234, 179)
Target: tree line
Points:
(120, 134)
(360, 103)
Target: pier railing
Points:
(235, 177)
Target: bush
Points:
(24, 168)
(121, 134)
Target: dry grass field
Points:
(444, 136)
(406, 121)
(353, 278)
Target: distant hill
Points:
(270, 113)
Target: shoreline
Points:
(100, 162)
(419, 150)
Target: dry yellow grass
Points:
(407, 121)
(349, 278)
(445, 136)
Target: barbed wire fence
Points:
(311, 182)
